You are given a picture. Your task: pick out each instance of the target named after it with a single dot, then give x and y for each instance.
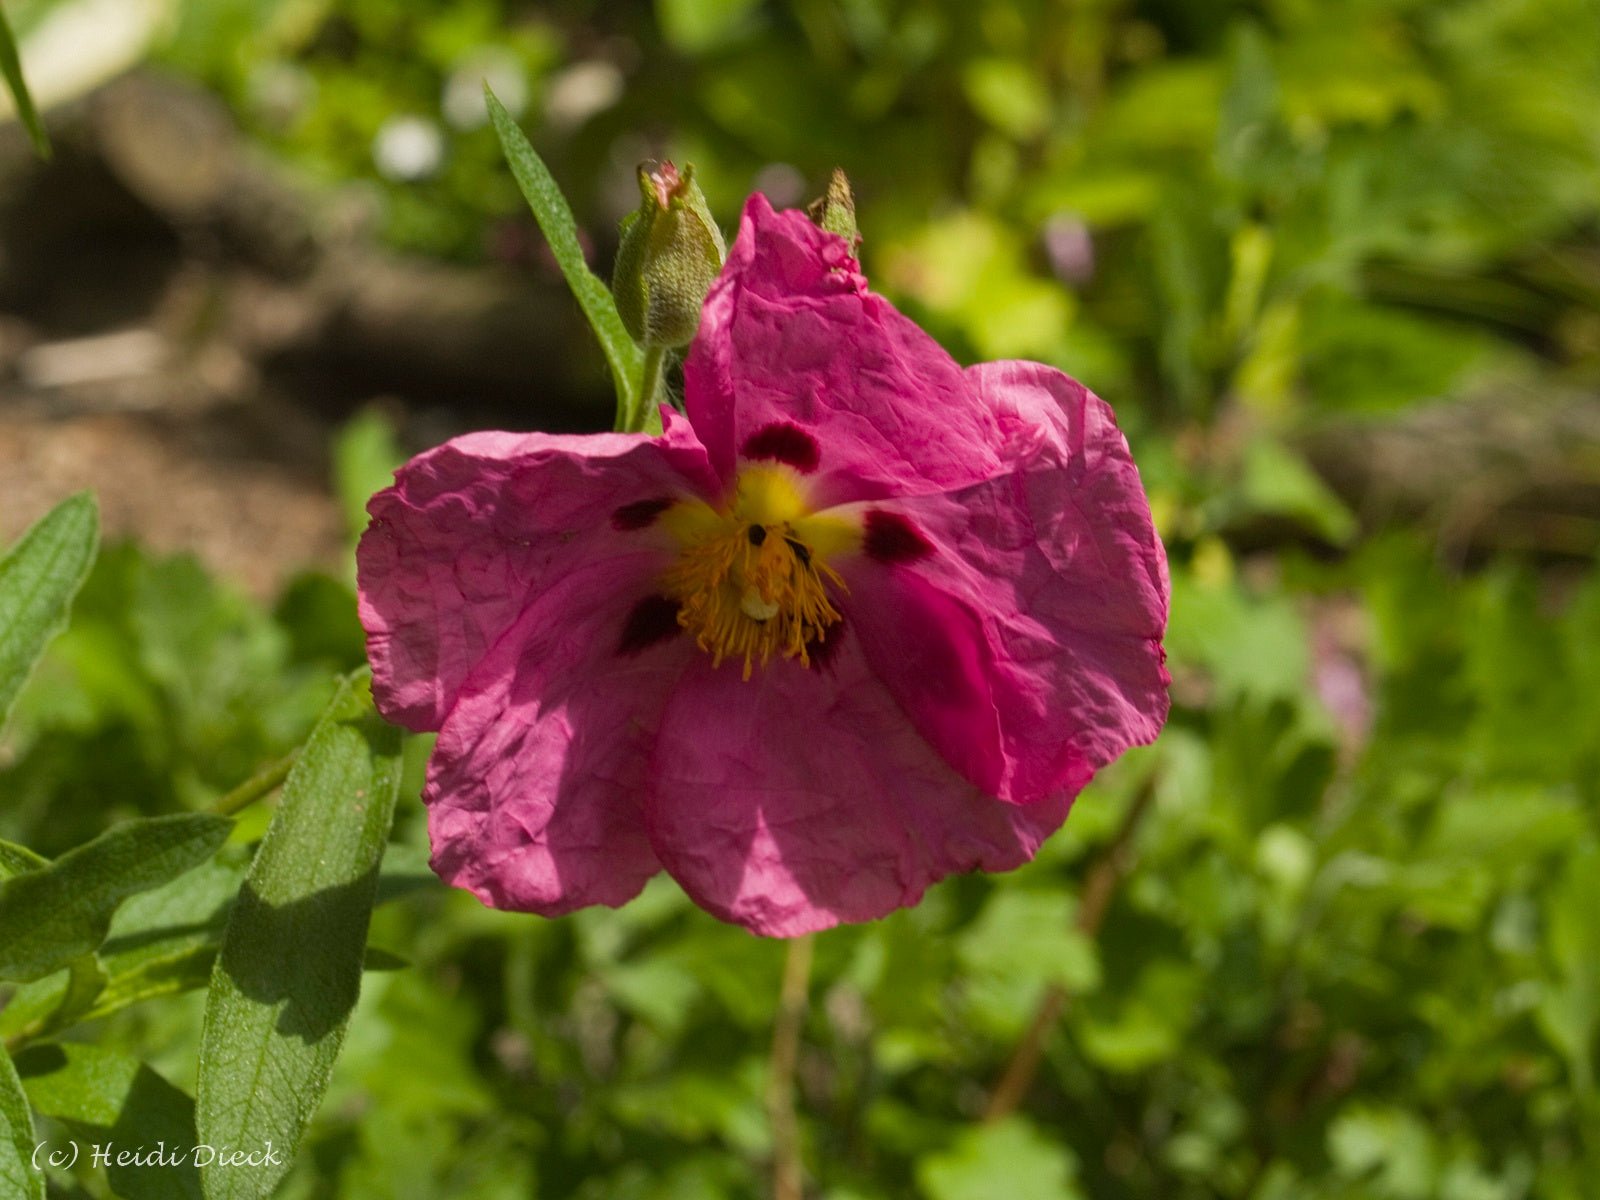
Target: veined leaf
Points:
(60, 912)
(17, 1176)
(11, 68)
(38, 579)
(550, 209)
(290, 967)
(108, 1098)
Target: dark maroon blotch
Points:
(785, 443)
(640, 513)
(890, 538)
(654, 619)
(823, 650)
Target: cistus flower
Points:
(863, 620)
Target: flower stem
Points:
(786, 1171)
(258, 785)
(1099, 885)
(643, 414)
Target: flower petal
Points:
(803, 799)
(534, 785)
(792, 348)
(1053, 580)
(474, 531)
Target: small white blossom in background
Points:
(408, 148)
(579, 92)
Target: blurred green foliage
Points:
(1358, 954)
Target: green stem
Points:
(85, 982)
(258, 785)
(643, 416)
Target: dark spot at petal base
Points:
(654, 619)
(822, 650)
(890, 538)
(640, 513)
(757, 534)
(785, 443)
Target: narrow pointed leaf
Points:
(17, 1176)
(38, 580)
(62, 911)
(11, 69)
(290, 967)
(108, 1099)
(550, 209)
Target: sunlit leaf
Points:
(38, 578)
(290, 967)
(1011, 1159)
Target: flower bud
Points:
(671, 252)
(836, 211)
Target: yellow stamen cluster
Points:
(750, 581)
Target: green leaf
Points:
(1275, 482)
(61, 912)
(117, 1103)
(1569, 1010)
(561, 231)
(1385, 1146)
(11, 68)
(695, 26)
(17, 860)
(290, 967)
(38, 579)
(1023, 941)
(17, 1176)
(1010, 1159)
(1009, 94)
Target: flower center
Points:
(751, 580)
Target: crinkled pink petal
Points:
(1061, 583)
(790, 336)
(806, 799)
(932, 649)
(534, 788)
(473, 531)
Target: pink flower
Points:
(864, 620)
